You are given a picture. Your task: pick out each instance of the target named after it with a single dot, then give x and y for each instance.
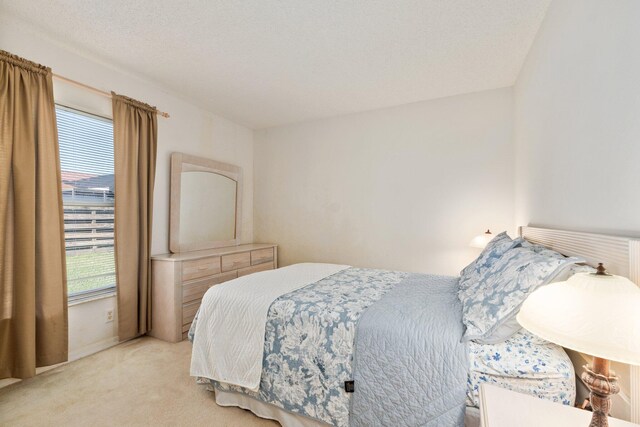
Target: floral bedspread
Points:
(308, 349)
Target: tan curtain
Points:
(33, 289)
(135, 138)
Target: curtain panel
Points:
(33, 289)
(135, 141)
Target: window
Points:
(86, 163)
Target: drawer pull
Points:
(198, 268)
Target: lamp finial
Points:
(601, 271)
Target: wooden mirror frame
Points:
(181, 162)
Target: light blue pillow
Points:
(489, 312)
(471, 275)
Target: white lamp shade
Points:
(481, 240)
(593, 314)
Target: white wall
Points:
(403, 188)
(577, 120)
(190, 130)
(577, 126)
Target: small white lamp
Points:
(481, 240)
(596, 314)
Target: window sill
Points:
(94, 296)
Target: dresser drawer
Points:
(192, 291)
(235, 261)
(255, 269)
(200, 268)
(261, 256)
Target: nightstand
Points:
(504, 408)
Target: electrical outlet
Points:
(109, 316)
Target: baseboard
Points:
(93, 348)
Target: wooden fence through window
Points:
(88, 228)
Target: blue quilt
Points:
(410, 366)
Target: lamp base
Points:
(603, 383)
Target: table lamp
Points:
(593, 313)
(481, 240)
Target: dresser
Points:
(179, 281)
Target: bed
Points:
(346, 346)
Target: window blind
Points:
(87, 170)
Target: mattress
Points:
(523, 363)
(309, 348)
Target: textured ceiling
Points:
(269, 62)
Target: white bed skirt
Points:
(287, 419)
(265, 410)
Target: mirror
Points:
(205, 203)
(196, 208)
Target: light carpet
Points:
(138, 383)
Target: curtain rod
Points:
(98, 91)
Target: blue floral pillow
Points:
(471, 275)
(539, 249)
(489, 312)
(567, 272)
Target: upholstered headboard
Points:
(621, 256)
